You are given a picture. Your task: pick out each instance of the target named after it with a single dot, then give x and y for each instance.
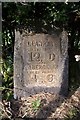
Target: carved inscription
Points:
(42, 56)
(40, 43)
(51, 57)
(34, 43)
(36, 56)
(50, 77)
(40, 63)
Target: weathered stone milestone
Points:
(40, 63)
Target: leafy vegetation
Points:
(71, 115)
(36, 104)
(38, 17)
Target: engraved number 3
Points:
(50, 77)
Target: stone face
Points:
(40, 63)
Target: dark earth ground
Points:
(42, 106)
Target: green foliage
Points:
(72, 114)
(6, 66)
(36, 104)
(38, 15)
(7, 80)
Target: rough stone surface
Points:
(40, 63)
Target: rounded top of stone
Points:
(29, 30)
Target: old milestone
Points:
(40, 63)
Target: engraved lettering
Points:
(30, 56)
(40, 44)
(34, 43)
(51, 57)
(34, 56)
(28, 43)
(50, 77)
(33, 77)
